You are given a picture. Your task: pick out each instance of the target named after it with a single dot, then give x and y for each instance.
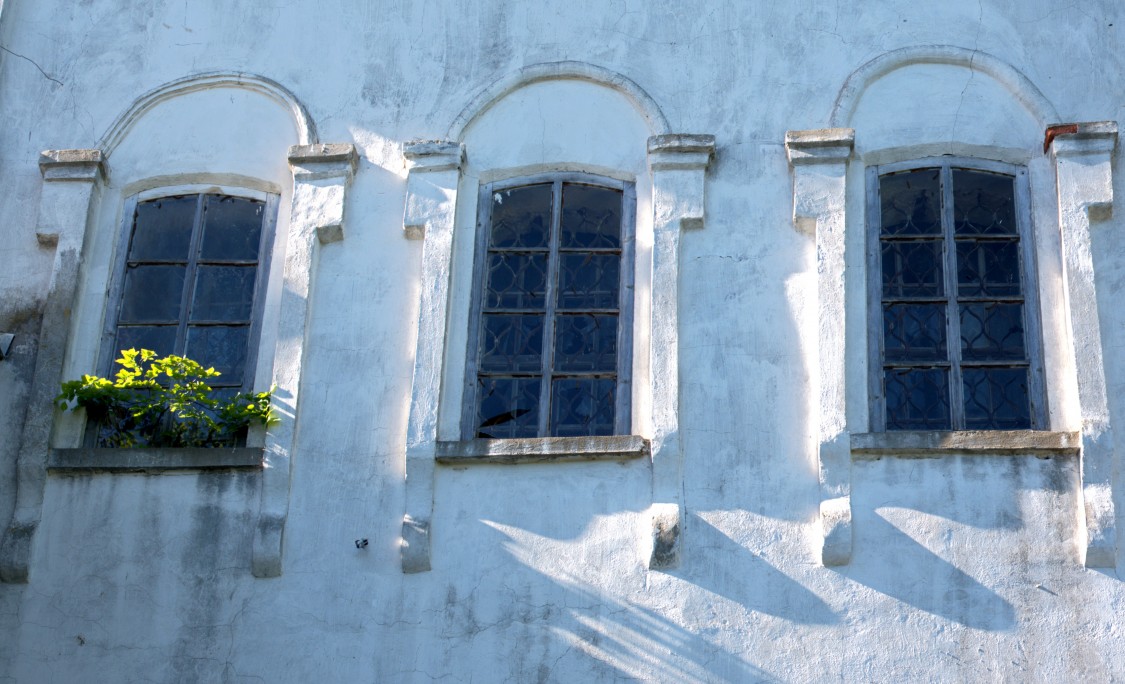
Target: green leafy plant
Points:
(164, 402)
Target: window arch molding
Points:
(79, 210)
(1070, 192)
(590, 125)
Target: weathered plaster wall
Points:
(964, 567)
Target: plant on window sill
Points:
(164, 402)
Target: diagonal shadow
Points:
(950, 486)
(609, 637)
(909, 572)
(725, 568)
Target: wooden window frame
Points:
(1037, 399)
(121, 260)
(623, 390)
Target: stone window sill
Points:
(933, 444)
(158, 460)
(542, 450)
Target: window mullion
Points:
(953, 315)
(549, 316)
(190, 273)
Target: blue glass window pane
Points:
(160, 339)
(591, 217)
(516, 281)
(223, 347)
(988, 269)
(582, 407)
(162, 229)
(224, 293)
(507, 407)
(917, 398)
(586, 343)
(912, 269)
(512, 343)
(914, 332)
(992, 331)
(589, 281)
(996, 399)
(911, 203)
(232, 228)
(521, 217)
(152, 294)
(983, 203)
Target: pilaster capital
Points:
(683, 151)
(433, 155)
(72, 165)
(819, 146)
(1077, 139)
(323, 161)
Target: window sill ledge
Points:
(542, 450)
(155, 460)
(932, 444)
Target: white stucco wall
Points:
(964, 567)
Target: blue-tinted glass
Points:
(996, 399)
(223, 347)
(521, 217)
(232, 228)
(160, 339)
(224, 293)
(586, 343)
(516, 281)
(991, 331)
(988, 269)
(162, 229)
(152, 294)
(582, 407)
(911, 203)
(589, 281)
(508, 407)
(914, 332)
(237, 438)
(512, 343)
(591, 217)
(983, 203)
(912, 269)
(917, 398)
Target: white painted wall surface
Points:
(964, 567)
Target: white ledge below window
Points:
(152, 460)
(542, 450)
(934, 443)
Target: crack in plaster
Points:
(34, 63)
(972, 72)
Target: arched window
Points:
(956, 342)
(551, 349)
(190, 279)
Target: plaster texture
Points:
(753, 526)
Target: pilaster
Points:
(1083, 155)
(66, 205)
(322, 174)
(431, 200)
(819, 159)
(679, 165)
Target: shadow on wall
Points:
(907, 571)
(581, 630)
(951, 487)
(728, 569)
